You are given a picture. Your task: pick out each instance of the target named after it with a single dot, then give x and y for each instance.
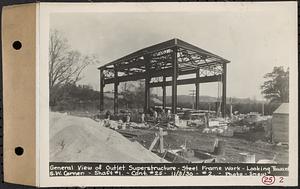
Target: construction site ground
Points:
(251, 143)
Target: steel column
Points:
(164, 92)
(101, 91)
(116, 84)
(224, 90)
(147, 84)
(174, 81)
(147, 95)
(197, 90)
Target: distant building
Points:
(280, 124)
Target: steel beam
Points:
(147, 96)
(206, 79)
(147, 84)
(197, 89)
(154, 48)
(101, 91)
(153, 73)
(164, 92)
(224, 90)
(163, 46)
(116, 84)
(126, 78)
(163, 67)
(174, 80)
(135, 64)
(187, 46)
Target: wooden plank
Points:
(153, 143)
(161, 139)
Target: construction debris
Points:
(246, 157)
(205, 128)
(241, 129)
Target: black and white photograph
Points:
(170, 87)
(140, 94)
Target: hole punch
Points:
(19, 151)
(17, 45)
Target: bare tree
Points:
(65, 65)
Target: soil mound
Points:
(77, 139)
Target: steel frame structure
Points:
(158, 62)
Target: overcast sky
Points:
(254, 41)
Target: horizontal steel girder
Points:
(206, 79)
(153, 73)
(163, 46)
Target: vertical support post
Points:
(164, 92)
(174, 81)
(230, 110)
(147, 84)
(147, 95)
(102, 84)
(161, 141)
(116, 84)
(224, 89)
(197, 90)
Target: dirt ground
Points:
(195, 139)
(252, 142)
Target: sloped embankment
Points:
(77, 139)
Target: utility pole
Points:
(230, 107)
(193, 94)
